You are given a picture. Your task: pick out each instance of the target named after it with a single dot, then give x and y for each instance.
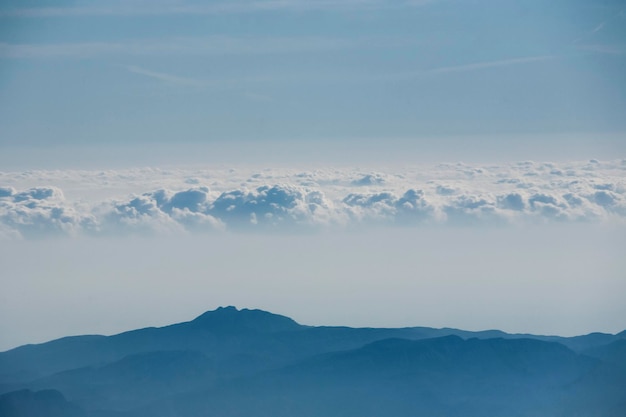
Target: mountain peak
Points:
(231, 309)
(231, 320)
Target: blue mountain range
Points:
(231, 362)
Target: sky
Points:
(453, 163)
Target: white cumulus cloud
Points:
(157, 201)
(40, 211)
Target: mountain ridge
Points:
(210, 314)
(226, 353)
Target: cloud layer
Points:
(158, 201)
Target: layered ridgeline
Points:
(254, 363)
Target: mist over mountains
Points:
(255, 363)
(362, 163)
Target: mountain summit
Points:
(230, 320)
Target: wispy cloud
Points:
(600, 27)
(489, 64)
(476, 66)
(168, 78)
(231, 7)
(603, 48)
(208, 45)
(63, 50)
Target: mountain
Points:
(613, 352)
(255, 363)
(47, 403)
(229, 320)
(225, 332)
(134, 380)
(445, 376)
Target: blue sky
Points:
(94, 72)
(453, 163)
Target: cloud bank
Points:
(158, 201)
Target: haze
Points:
(365, 163)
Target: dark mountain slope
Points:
(238, 341)
(222, 333)
(614, 352)
(134, 380)
(251, 362)
(442, 376)
(228, 320)
(30, 361)
(48, 403)
(591, 341)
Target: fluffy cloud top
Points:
(40, 211)
(154, 201)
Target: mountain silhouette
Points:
(445, 376)
(229, 320)
(255, 363)
(46, 403)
